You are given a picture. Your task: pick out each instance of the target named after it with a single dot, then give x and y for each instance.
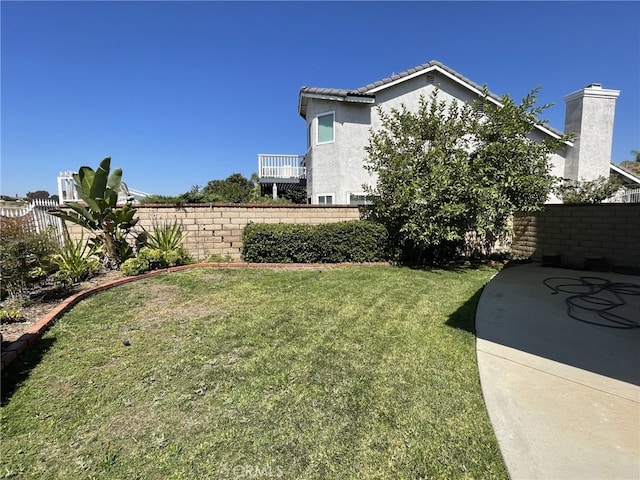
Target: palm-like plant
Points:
(76, 260)
(165, 236)
(100, 214)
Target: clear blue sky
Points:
(182, 93)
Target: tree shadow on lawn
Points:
(464, 318)
(457, 267)
(18, 371)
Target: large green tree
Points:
(450, 175)
(38, 195)
(234, 189)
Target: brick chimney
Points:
(589, 115)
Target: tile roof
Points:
(365, 91)
(334, 92)
(340, 92)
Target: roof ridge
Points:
(366, 90)
(398, 76)
(392, 78)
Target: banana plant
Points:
(99, 212)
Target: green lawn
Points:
(344, 372)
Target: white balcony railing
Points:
(281, 166)
(632, 196)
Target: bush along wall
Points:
(352, 241)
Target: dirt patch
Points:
(45, 300)
(168, 303)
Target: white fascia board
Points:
(542, 128)
(403, 79)
(302, 107)
(335, 98)
(359, 99)
(291, 155)
(553, 134)
(323, 96)
(340, 98)
(466, 85)
(624, 173)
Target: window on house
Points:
(308, 135)
(359, 199)
(325, 199)
(325, 128)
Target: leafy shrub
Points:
(153, 259)
(159, 248)
(24, 256)
(588, 191)
(76, 260)
(37, 273)
(445, 169)
(352, 241)
(134, 266)
(11, 312)
(176, 257)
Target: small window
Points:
(325, 128)
(308, 135)
(359, 199)
(325, 199)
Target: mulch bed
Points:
(45, 299)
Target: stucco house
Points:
(339, 122)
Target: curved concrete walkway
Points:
(563, 395)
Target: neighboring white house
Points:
(339, 123)
(67, 191)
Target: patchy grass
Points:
(358, 372)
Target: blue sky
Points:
(180, 93)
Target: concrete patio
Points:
(563, 393)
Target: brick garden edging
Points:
(38, 329)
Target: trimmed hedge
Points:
(352, 241)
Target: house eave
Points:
(367, 94)
(625, 173)
(493, 99)
(346, 97)
(402, 79)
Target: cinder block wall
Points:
(608, 230)
(217, 229)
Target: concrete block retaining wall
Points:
(576, 232)
(217, 229)
(611, 231)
